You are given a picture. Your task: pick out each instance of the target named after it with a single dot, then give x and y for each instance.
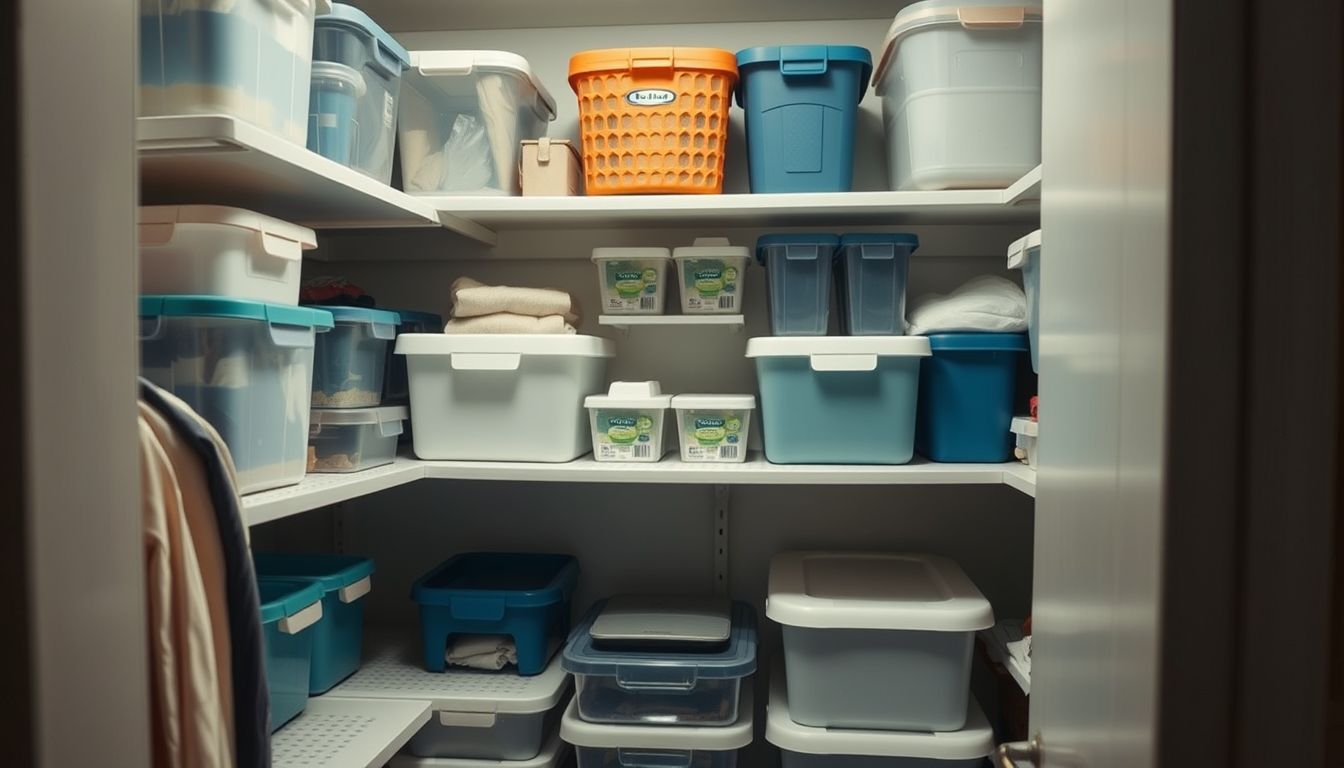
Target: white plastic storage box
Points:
(632, 281)
(876, 640)
(462, 118)
(245, 367)
(351, 361)
(627, 422)
(1025, 431)
(712, 276)
(553, 755)
(960, 83)
(656, 745)
(352, 439)
(211, 250)
(245, 58)
(714, 427)
(838, 399)
(802, 746)
(511, 397)
(1025, 254)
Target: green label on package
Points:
(627, 435)
(709, 285)
(713, 436)
(630, 286)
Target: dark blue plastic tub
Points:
(290, 608)
(966, 397)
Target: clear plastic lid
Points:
(981, 15)
(636, 666)
(438, 64)
(712, 738)
(157, 223)
(381, 414)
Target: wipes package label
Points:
(621, 434)
(632, 287)
(713, 435)
(711, 285)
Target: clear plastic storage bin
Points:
(244, 366)
(871, 274)
(353, 439)
(632, 281)
(713, 275)
(289, 610)
(350, 360)
(333, 122)
(554, 754)
(627, 422)
(245, 58)
(1025, 254)
(656, 745)
(462, 119)
(798, 273)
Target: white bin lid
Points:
(632, 254)
(344, 416)
(157, 223)
(460, 63)
(551, 344)
(552, 755)
(874, 590)
(665, 618)
(974, 740)
(630, 394)
(714, 738)
(971, 14)
(1025, 425)
(1023, 250)
(712, 248)
(714, 402)
(840, 353)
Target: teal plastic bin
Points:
(339, 636)
(798, 277)
(289, 609)
(966, 412)
(838, 399)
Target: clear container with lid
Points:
(352, 439)
(714, 427)
(657, 746)
(712, 274)
(632, 281)
(627, 422)
(349, 362)
(333, 126)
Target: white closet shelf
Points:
(1019, 476)
(319, 490)
(347, 733)
(733, 323)
(220, 160)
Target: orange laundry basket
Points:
(653, 120)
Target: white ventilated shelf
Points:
(319, 490)
(1019, 476)
(996, 639)
(347, 733)
(733, 323)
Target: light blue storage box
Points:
(838, 399)
(348, 37)
(1025, 254)
(351, 360)
(966, 410)
(332, 124)
(246, 367)
(524, 596)
(338, 638)
(798, 274)
(801, 104)
(871, 274)
(289, 610)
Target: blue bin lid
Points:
(420, 319)
(881, 238)
(242, 309)
(363, 315)
(736, 659)
(978, 342)
(343, 15)
(281, 598)
(517, 580)
(331, 572)
(802, 238)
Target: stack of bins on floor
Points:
(877, 662)
(661, 681)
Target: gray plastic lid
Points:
(667, 618)
(657, 667)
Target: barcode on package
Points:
(641, 451)
(727, 451)
(725, 302)
(648, 302)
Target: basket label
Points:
(651, 97)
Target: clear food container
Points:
(350, 360)
(351, 439)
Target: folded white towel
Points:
(985, 303)
(473, 299)
(491, 652)
(1021, 651)
(507, 322)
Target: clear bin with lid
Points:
(350, 361)
(632, 281)
(353, 439)
(333, 123)
(714, 428)
(462, 118)
(712, 274)
(871, 272)
(627, 422)
(798, 277)
(657, 746)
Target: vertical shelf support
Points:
(721, 498)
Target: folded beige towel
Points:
(507, 322)
(474, 299)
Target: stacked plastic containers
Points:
(877, 662)
(628, 424)
(661, 681)
(710, 274)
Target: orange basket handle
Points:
(653, 62)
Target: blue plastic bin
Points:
(801, 104)
(1025, 254)
(525, 596)
(332, 125)
(871, 274)
(839, 399)
(290, 608)
(798, 277)
(350, 361)
(966, 402)
(396, 387)
(339, 637)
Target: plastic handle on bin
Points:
(653, 62)
(314, 429)
(873, 252)
(390, 428)
(155, 234)
(635, 680)
(467, 719)
(151, 327)
(478, 608)
(385, 331)
(353, 592)
(291, 335)
(802, 252)
(385, 61)
(279, 247)
(646, 758)
(293, 625)
(992, 17)
(830, 363)
(483, 361)
(802, 60)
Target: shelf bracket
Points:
(721, 499)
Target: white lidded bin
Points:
(462, 118)
(632, 281)
(503, 397)
(627, 422)
(712, 274)
(657, 745)
(1025, 254)
(802, 746)
(553, 755)
(352, 439)
(960, 83)
(1025, 431)
(213, 250)
(714, 427)
(876, 640)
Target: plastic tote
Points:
(656, 745)
(714, 427)
(355, 439)
(503, 397)
(347, 36)
(244, 366)
(524, 596)
(1025, 254)
(966, 407)
(627, 422)
(801, 104)
(338, 636)
(713, 276)
(554, 754)
(960, 83)
(839, 399)
(211, 250)
(871, 275)
(876, 640)
(290, 608)
(802, 746)
(350, 361)
(462, 117)
(249, 59)
(333, 125)
(653, 120)
(798, 271)
(632, 281)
